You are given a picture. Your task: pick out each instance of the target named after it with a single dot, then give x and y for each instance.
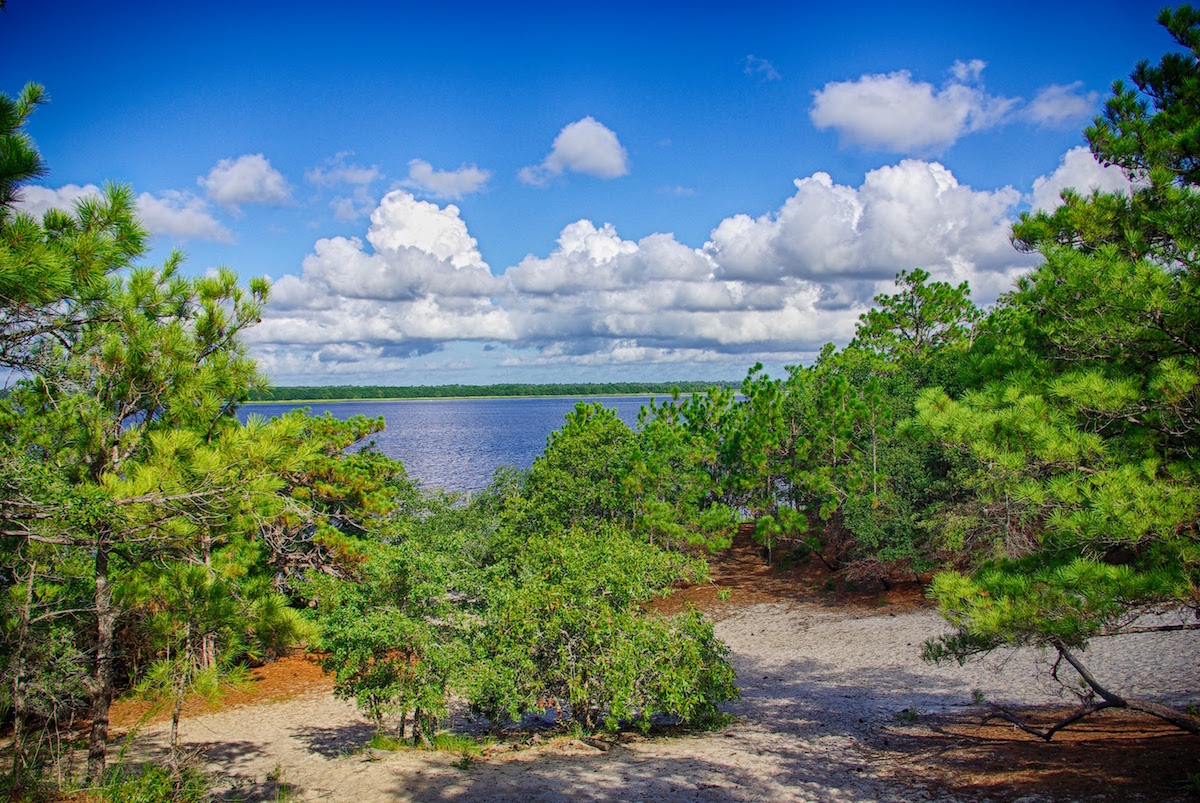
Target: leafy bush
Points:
(563, 626)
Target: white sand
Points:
(821, 691)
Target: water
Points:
(458, 444)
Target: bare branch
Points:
(1108, 699)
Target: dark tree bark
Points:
(102, 678)
(1107, 699)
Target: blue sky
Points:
(469, 193)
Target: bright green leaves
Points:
(529, 595)
(56, 276)
(1008, 428)
(660, 481)
(1155, 124)
(563, 624)
(196, 622)
(467, 600)
(130, 378)
(20, 160)
(672, 482)
(1083, 460)
(390, 635)
(1065, 601)
(578, 479)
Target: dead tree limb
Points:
(1108, 699)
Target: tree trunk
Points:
(102, 678)
(419, 730)
(18, 687)
(208, 641)
(174, 739)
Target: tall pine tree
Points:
(1084, 454)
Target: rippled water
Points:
(458, 444)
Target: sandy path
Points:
(821, 693)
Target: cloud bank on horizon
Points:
(393, 286)
(775, 287)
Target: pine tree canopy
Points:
(1082, 442)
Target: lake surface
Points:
(458, 444)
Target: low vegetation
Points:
(1041, 460)
(503, 390)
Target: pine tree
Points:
(120, 446)
(1082, 457)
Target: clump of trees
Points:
(533, 595)
(130, 497)
(149, 542)
(1042, 458)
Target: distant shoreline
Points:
(347, 393)
(466, 398)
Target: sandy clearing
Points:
(822, 691)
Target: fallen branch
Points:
(1108, 699)
(1151, 629)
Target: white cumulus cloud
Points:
(585, 146)
(169, 213)
(453, 184)
(1078, 170)
(36, 201)
(401, 221)
(421, 283)
(1062, 105)
(913, 214)
(245, 180)
(895, 112)
(773, 287)
(181, 214)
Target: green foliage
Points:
(120, 452)
(143, 523)
(472, 599)
(672, 481)
(1141, 141)
(385, 741)
(20, 160)
(577, 479)
(465, 746)
(153, 784)
(1082, 463)
(563, 624)
(920, 324)
(389, 635)
(1047, 454)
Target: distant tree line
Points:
(505, 390)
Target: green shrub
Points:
(156, 784)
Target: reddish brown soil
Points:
(281, 680)
(742, 573)
(1112, 756)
